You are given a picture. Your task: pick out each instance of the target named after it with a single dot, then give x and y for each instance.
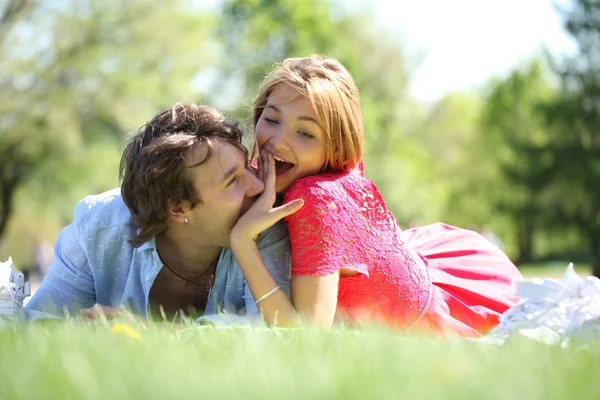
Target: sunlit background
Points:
(480, 113)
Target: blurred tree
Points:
(258, 33)
(451, 135)
(516, 139)
(77, 74)
(576, 119)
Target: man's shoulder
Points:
(275, 235)
(102, 211)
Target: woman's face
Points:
(288, 128)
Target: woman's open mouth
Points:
(282, 167)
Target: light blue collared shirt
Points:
(95, 264)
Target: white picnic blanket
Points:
(563, 313)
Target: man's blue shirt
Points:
(95, 264)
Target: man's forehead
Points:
(197, 154)
(199, 151)
(225, 157)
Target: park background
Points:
(481, 114)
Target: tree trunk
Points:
(595, 252)
(525, 241)
(7, 190)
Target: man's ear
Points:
(178, 211)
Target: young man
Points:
(161, 241)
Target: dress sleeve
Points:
(322, 239)
(274, 248)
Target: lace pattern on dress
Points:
(344, 223)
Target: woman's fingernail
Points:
(298, 203)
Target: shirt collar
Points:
(150, 244)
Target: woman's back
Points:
(345, 225)
(436, 277)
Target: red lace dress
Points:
(437, 277)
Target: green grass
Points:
(554, 269)
(77, 360)
(72, 360)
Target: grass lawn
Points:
(76, 361)
(554, 269)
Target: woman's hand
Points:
(262, 215)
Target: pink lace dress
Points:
(437, 277)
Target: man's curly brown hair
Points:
(153, 164)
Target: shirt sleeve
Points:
(323, 235)
(274, 247)
(275, 250)
(69, 285)
(248, 316)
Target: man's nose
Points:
(254, 186)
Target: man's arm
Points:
(69, 285)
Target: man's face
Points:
(227, 189)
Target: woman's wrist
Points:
(238, 234)
(239, 240)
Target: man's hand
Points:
(262, 215)
(99, 311)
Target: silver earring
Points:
(186, 220)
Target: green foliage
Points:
(80, 74)
(458, 169)
(258, 34)
(516, 138)
(576, 116)
(77, 75)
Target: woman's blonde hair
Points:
(336, 101)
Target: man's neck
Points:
(186, 257)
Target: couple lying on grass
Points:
(291, 233)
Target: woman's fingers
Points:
(259, 168)
(270, 175)
(261, 215)
(287, 209)
(270, 217)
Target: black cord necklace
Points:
(208, 286)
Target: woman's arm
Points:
(314, 296)
(276, 308)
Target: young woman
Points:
(350, 260)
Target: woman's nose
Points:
(279, 140)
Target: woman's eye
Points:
(270, 120)
(305, 135)
(233, 181)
